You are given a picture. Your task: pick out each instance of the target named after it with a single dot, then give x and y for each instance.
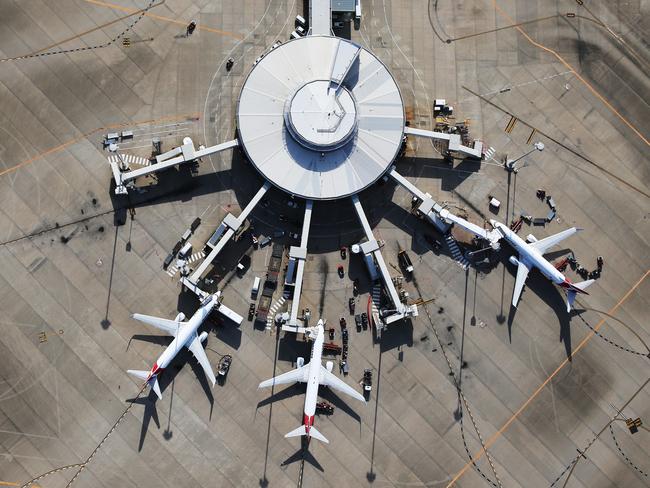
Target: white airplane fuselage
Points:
(313, 381)
(531, 255)
(185, 335)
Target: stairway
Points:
(456, 253)
(129, 159)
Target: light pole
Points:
(509, 165)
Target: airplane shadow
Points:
(290, 391)
(303, 454)
(334, 399)
(150, 412)
(164, 380)
(552, 296)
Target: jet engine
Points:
(180, 317)
(514, 260)
(300, 362)
(329, 365)
(203, 336)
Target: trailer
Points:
(331, 348)
(405, 261)
(324, 408)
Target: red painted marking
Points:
(570, 286)
(308, 421)
(155, 370)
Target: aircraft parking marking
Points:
(514, 416)
(164, 19)
(573, 70)
(80, 138)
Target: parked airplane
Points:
(185, 334)
(314, 374)
(532, 255)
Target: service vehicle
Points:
(324, 408)
(405, 261)
(367, 381)
(224, 365)
(256, 287)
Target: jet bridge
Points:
(453, 141)
(179, 155)
(224, 232)
(297, 257)
(370, 249)
(439, 216)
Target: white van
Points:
(185, 251)
(294, 35)
(256, 288)
(300, 21)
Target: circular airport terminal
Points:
(320, 118)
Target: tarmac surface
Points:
(533, 385)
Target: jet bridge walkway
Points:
(186, 153)
(297, 257)
(225, 232)
(371, 251)
(439, 216)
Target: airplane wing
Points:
(520, 281)
(544, 244)
(199, 353)
(293, 376)
(328, 379)
(230, 314)
(171, 327)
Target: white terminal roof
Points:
(320, 117)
